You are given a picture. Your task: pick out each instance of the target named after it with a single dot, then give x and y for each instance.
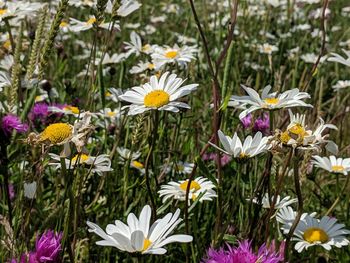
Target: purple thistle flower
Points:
(39, 111)
(225, 158)
(47, 248)
(262, 124)
(245, 254)
(247, 121)
(12, 122)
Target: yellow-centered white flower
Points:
(297, 134)
(271, 101)
(200, 188)
(280, 203)
(175, 54)
(251, 146)
(332, 164)
(315, 232)
(98, 164)
(286, 216)
(138, 236)
(158, 94)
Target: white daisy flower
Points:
(135, 44)
(179, 167)
(248, 149)
(67, 109)
(325, 232)
(272, 101)
(64, 26)
(125, 154)
(113, 59)
(267, 48)
(98, 164)
(286, 216)
(5, 80)
(158, 95)
(139, 166)
(337, 58)
(312, 58)
(30, 190)
(332, 164)
(108, 113)
(113, 94)
(141, 67)
(341, 84)
(138, 236)
(126, 7)
(177, 190)
(78, 26)
(17, 9)
(79, 3)
(286, 201)
(297, 135)
(175, 54)
(6, 62)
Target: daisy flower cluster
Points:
(174, 131)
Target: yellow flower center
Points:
(243, 156)
(91, 21)
(297, 129)
(56, 133)
(74, 110)
(151, 66)
(3, 11)
(267, 49)
(171, 54)
(284, 137)
(315, 234)
(38, 98)
(111, 113)
(146, 244)
(146, 47)
(337, 168)
(108, 94)
(7, 44)
(194, 186)
(156, 99)
(180, 168)
(271, 101)
(82, 158)
(137, 164)
(63, 24)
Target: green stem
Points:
(339, 196)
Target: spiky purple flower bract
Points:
(244, 254)
(47, 248)
(12, 122)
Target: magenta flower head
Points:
(39, 112)
(262, 124)
(12, 122)
(224, 160)
(247, 121)
(47, 248)
(244, 253)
